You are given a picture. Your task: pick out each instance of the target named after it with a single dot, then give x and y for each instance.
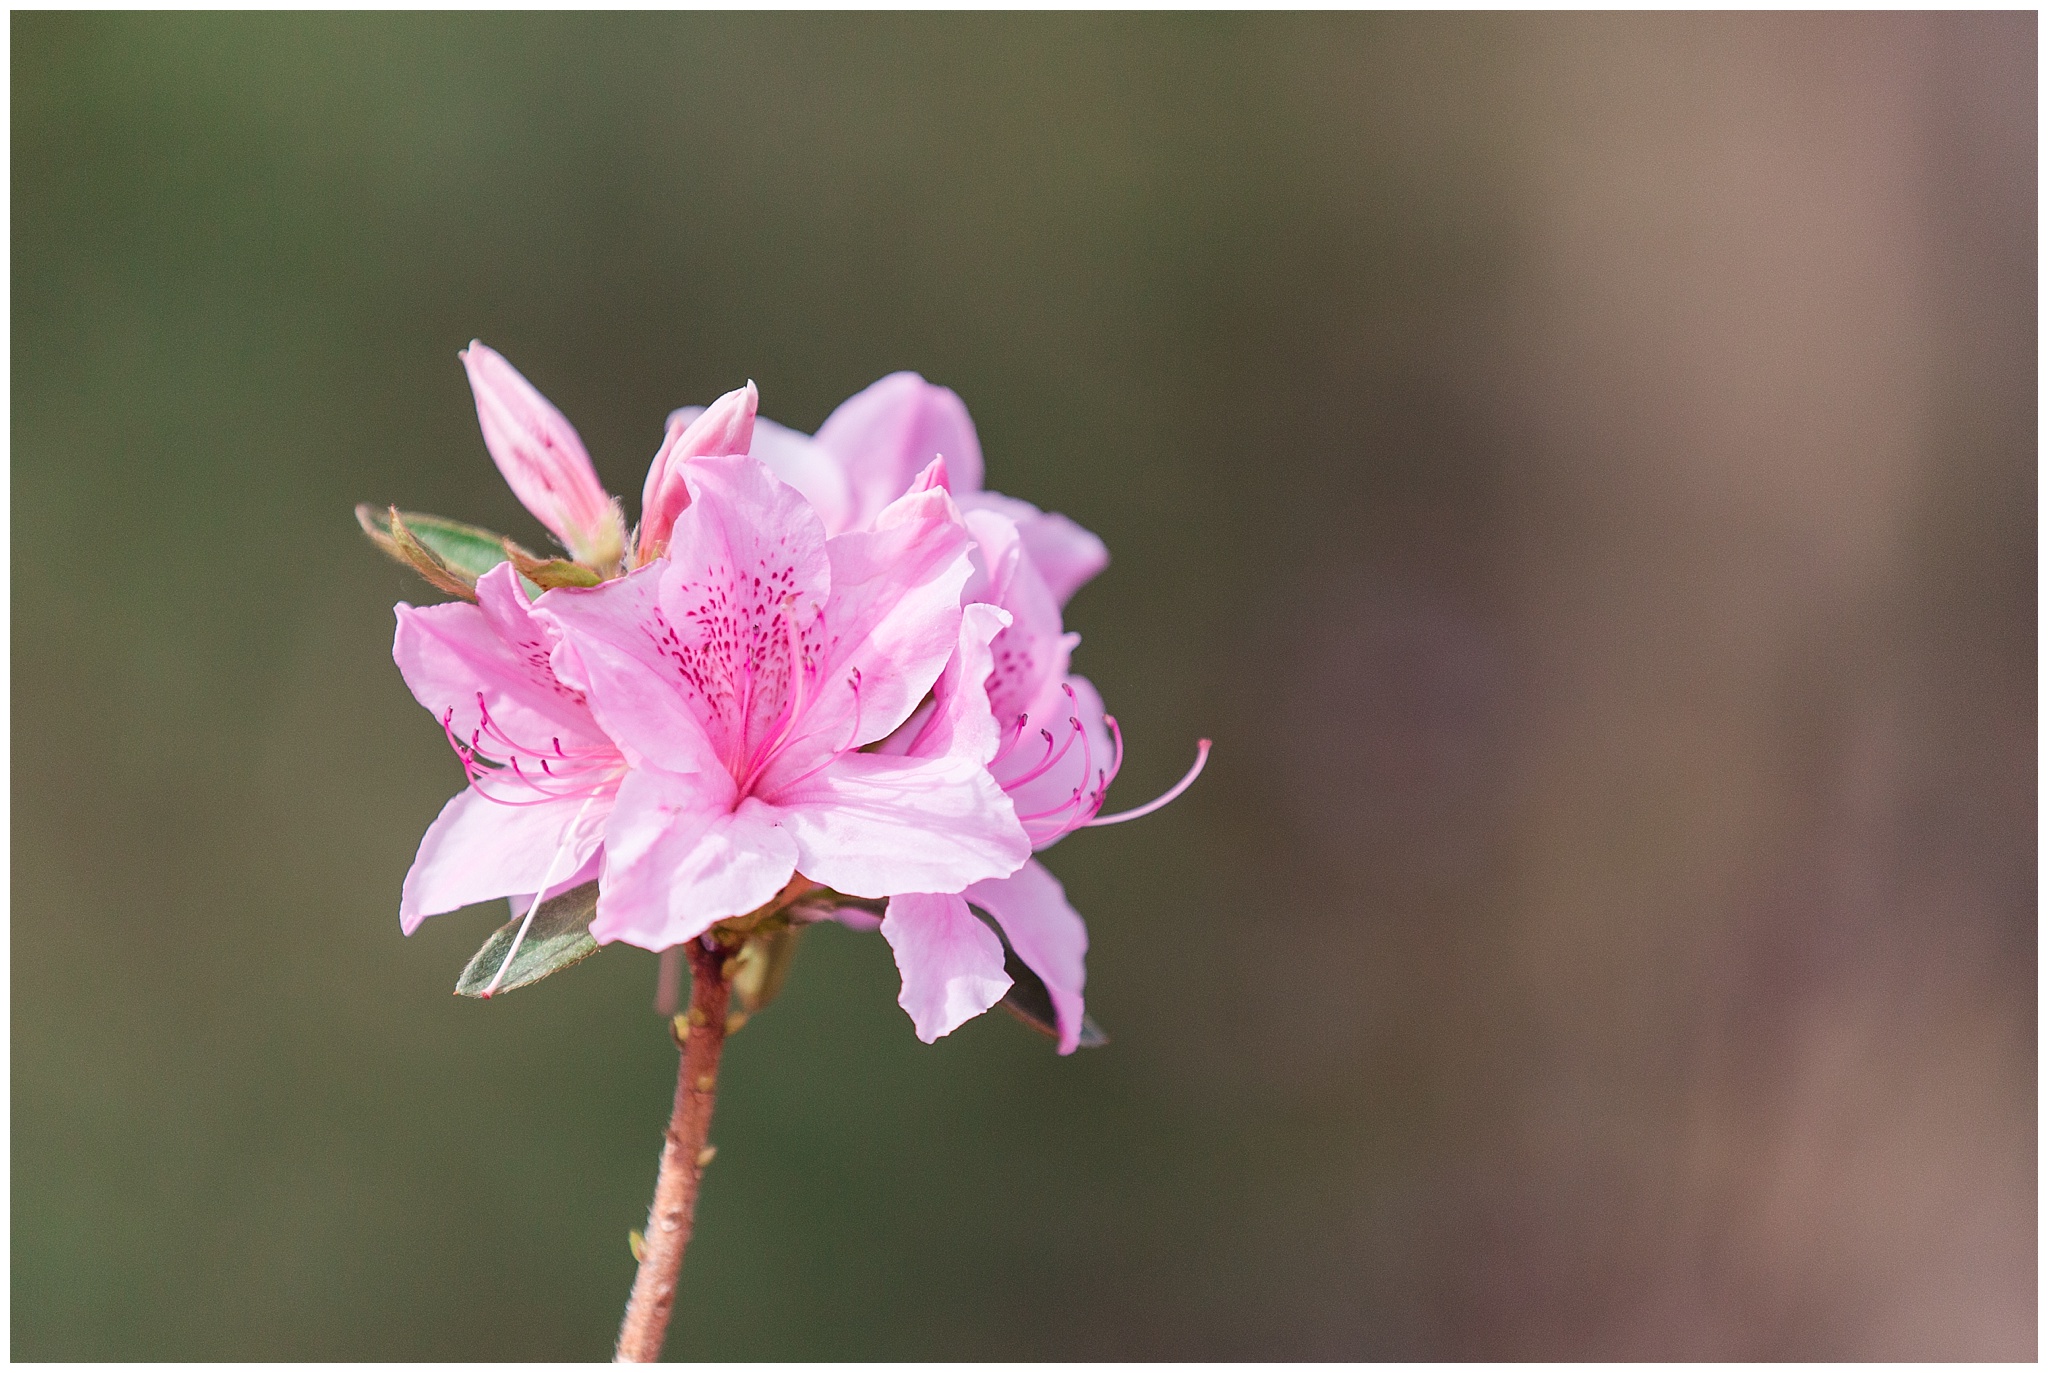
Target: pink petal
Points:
(461, 660)
(884, 436)
(747, 577)
(727, 428)
(997, 550)
(542, 459)
(871, 825)
(796, 458)
(478, 850)
(677, 860)
(1047, 933)
(616, 649)
(1067, 555)
(952, 964)
(521, 902)
(893, 621)
(1033, 651)
(960, 722)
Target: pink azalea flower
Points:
(740, 676)
(1054, 757)
(543, 774)
(869, 450)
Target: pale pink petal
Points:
(1067, 555)
(522, 902)
(502, 601)
(893, 621)
(870, 825)
(1033, 651)
(798, 460)
(461, 666)
(618, 650)
(907, 733)
(542, 460)
(959, 720)
(1047, 933)
(677, 860)
(478, 850)
(884, 436)
(997, 550)
(727, 428)
(952, 964)
(744, 593)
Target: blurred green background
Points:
(1579, 470)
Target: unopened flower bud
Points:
(543, 461)
(724, 430)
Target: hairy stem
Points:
(683, 1157)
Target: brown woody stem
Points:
(682, 1161)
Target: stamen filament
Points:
(568, 838)
(1201, 758)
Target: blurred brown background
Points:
(1580, 470)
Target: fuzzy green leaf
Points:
(558, 938)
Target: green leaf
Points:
(558, 938)
(1031, 1003)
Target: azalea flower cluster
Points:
(823, 676)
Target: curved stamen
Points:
(1087, 746)
(568, 840)
(1116, 762)
(572, 780)
(1045, 760)
(1104, 776)
(1016, 737)
(1065, 805)
(1165, 798)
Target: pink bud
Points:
(542, 459)
(725, 430)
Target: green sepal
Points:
(547, 573)
(448, 553)
(558, 938)
(1031, 1003)
(764, 965)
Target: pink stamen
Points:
(479, 768)
(1066, 805)
(1043, 763)
(792, 705)
(1016, 736)
(1165, 798)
